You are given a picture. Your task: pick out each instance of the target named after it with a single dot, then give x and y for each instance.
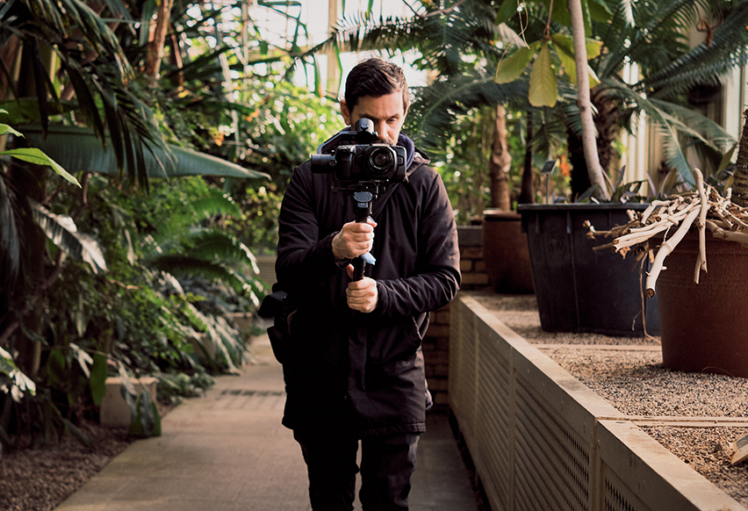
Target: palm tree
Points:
(649, 34)
(653, 35)
(453, 39)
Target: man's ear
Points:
(346, 113)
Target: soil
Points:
(39, 478)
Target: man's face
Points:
(386, 112)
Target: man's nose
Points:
(381, 129)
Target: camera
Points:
(356, 159)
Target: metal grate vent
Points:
(468, 372)
(617, 496)
(259, 393)
(243, 399)
(552, 463)
(494, 425)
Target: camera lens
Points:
(380, 160)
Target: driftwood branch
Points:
(704, 208)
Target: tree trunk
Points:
(594, 169)
(156, 45)
(527, 195)
(740, 184)
(606, 125)
(500, 163)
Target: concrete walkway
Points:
(228, 451)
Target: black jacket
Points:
(349, 371)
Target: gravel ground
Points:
(39, 479)
(708, 451)
(634, 381)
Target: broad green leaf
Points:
(4, 354)
(98, 378)
(509, 37)
(593, 46)
(77, 433)
(543, 80)
(57, 368)
(37, 157)
(586, 16)
(511, 68)
(599, 11)
(146, 421)
(560, 13)
(565, 54)
(507, 10)
(79, 149)
(4, 128)
(62, 231)
(83, 358)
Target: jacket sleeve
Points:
(304, 261)
(437, 278)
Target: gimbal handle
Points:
(363, 209)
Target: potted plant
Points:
(577, 292)
(505, 252)
(702, 306)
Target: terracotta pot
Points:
(505, 252)
(704, 326)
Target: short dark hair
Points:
(375, 77)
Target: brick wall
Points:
(436, 340)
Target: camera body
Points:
(356, 159)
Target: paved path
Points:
(228, 451)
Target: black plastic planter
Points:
(579, 289)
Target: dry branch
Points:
(703, 207)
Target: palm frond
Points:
(674, 123)
(696, 125)
(62, 231)
(14, 219)
(437, 106)
(655, 39)
(216, 203)
(59, 15)
(182, 265)
(79, 149)
(440, 33)
(705, 64)
(215, 245)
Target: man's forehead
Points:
(389, 105)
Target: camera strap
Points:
(382, 200)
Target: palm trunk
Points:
(606, 125)
(527, 195)
(500, 163)
(594, 169)
(740, 184)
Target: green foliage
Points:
(463, 163)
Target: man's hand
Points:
(362, 294)
(353, 240)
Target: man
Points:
(355, 369)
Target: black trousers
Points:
(387, 463)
